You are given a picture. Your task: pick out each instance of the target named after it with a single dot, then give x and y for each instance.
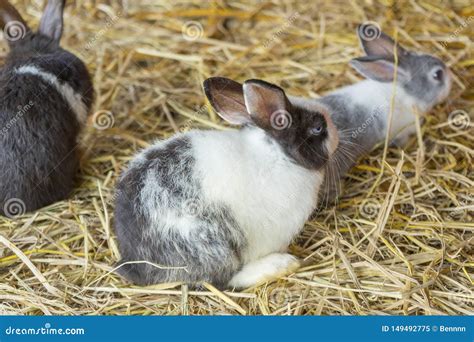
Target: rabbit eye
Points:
(316, 130)
(438, 74)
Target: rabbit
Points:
(46, 95)
(222, 206)
(361, 111)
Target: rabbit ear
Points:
(376, 43)
(13, 26)
(264, 101)
(376, 68)
(51, 24)
(226, 97)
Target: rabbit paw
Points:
(268, 268)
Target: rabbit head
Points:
(425, 77)
(22, 40)
(308, 136)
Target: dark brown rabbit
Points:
(46, 95)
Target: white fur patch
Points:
(73, 99)
(377, 96)
(271, 266)
(270, 196)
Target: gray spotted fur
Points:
(160, 181)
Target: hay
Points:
(399, 242)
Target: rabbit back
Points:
(38, 141)
(162, 218)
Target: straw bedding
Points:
(400, 240)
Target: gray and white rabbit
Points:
(45, 97)
(361, 111)
(223, 206)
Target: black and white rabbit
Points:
(223, 206)
(45, 97)
(361, 111)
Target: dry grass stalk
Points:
(399, 242)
